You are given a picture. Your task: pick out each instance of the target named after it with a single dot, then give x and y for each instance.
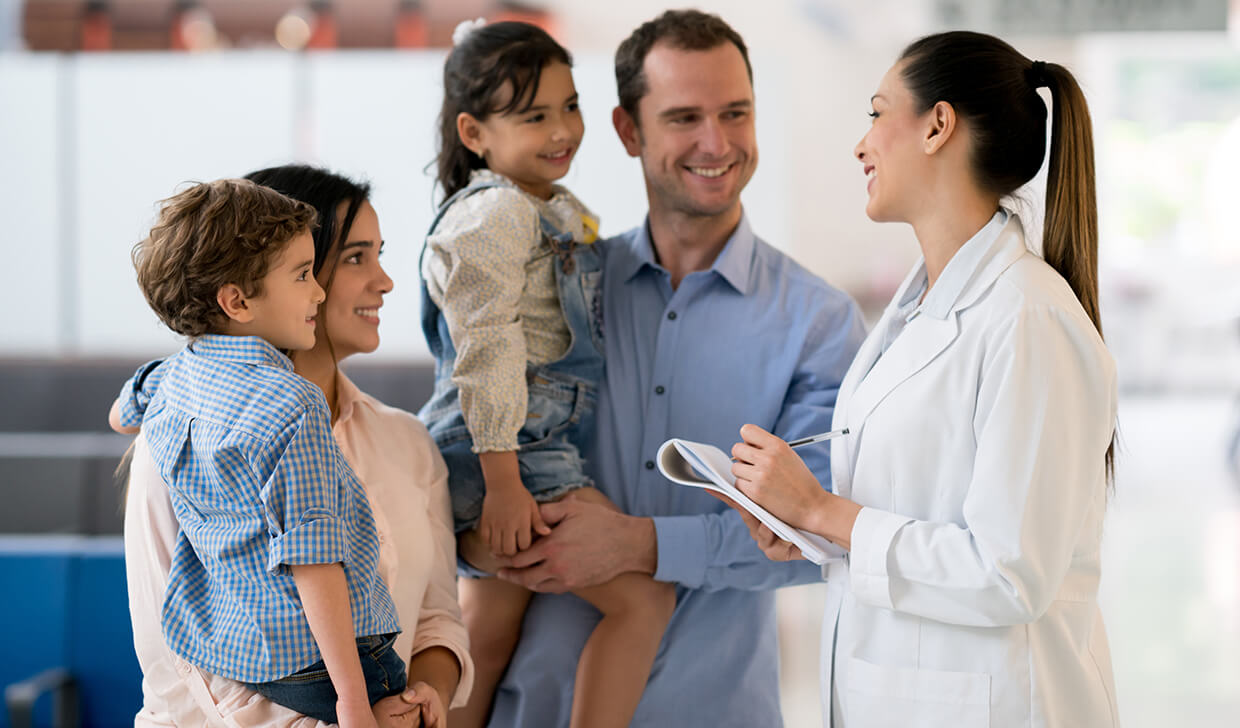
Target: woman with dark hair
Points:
(394, 458)
(971, 486)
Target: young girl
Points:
(511, 314)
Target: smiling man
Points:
(707, 328)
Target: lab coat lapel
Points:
(844, 448)
(920, 342)
(926, 336)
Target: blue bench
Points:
(65, 607)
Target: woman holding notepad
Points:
(970, 490)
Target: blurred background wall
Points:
(107, 107)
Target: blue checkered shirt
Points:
(257, 484)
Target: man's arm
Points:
(591, 544)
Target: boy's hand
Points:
(355, 714)
(509, 513)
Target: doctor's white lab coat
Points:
(969, 597)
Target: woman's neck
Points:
(954, 216)
(319, 366)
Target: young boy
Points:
(275, 565)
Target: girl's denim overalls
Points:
(562, 393)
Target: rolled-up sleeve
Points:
(305, 497)
(475, 272)
(137, 391)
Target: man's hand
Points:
(775, 548)
(590, 543)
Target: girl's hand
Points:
(509, 513)
(775, 548)
(776, 478)
(434, 714)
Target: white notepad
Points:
(706, 466)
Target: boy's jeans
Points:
(310, 691)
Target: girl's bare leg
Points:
(492, 611)
(616, 662)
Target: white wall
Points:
(90, 143)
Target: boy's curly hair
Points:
(208, 236)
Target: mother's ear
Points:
(234, 303)
(941, 124)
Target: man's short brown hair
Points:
(687, 30)
(208, 236)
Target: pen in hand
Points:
(820, 437)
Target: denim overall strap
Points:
(577, 261)
(431, 320)
(561, 394)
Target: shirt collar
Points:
(960, 269)
(733, 264)
(242, 349)
(347, 395)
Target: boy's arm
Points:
(127, 411)
(114, 419)
(325, 598)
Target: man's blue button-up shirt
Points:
(757, 339)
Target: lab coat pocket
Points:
(879, 696)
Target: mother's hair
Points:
(324, 191)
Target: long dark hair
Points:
(477, 68)
(324, 191)
(992, 85)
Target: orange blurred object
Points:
(96, 28)
(509, 11)
(323, 31)
(411, 29)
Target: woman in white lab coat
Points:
(971, 487)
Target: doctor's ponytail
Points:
(995, 87)
(992, 85)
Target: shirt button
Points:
(671, 315)
(659, 389)
(649, 465)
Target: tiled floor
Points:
(1171, 574)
